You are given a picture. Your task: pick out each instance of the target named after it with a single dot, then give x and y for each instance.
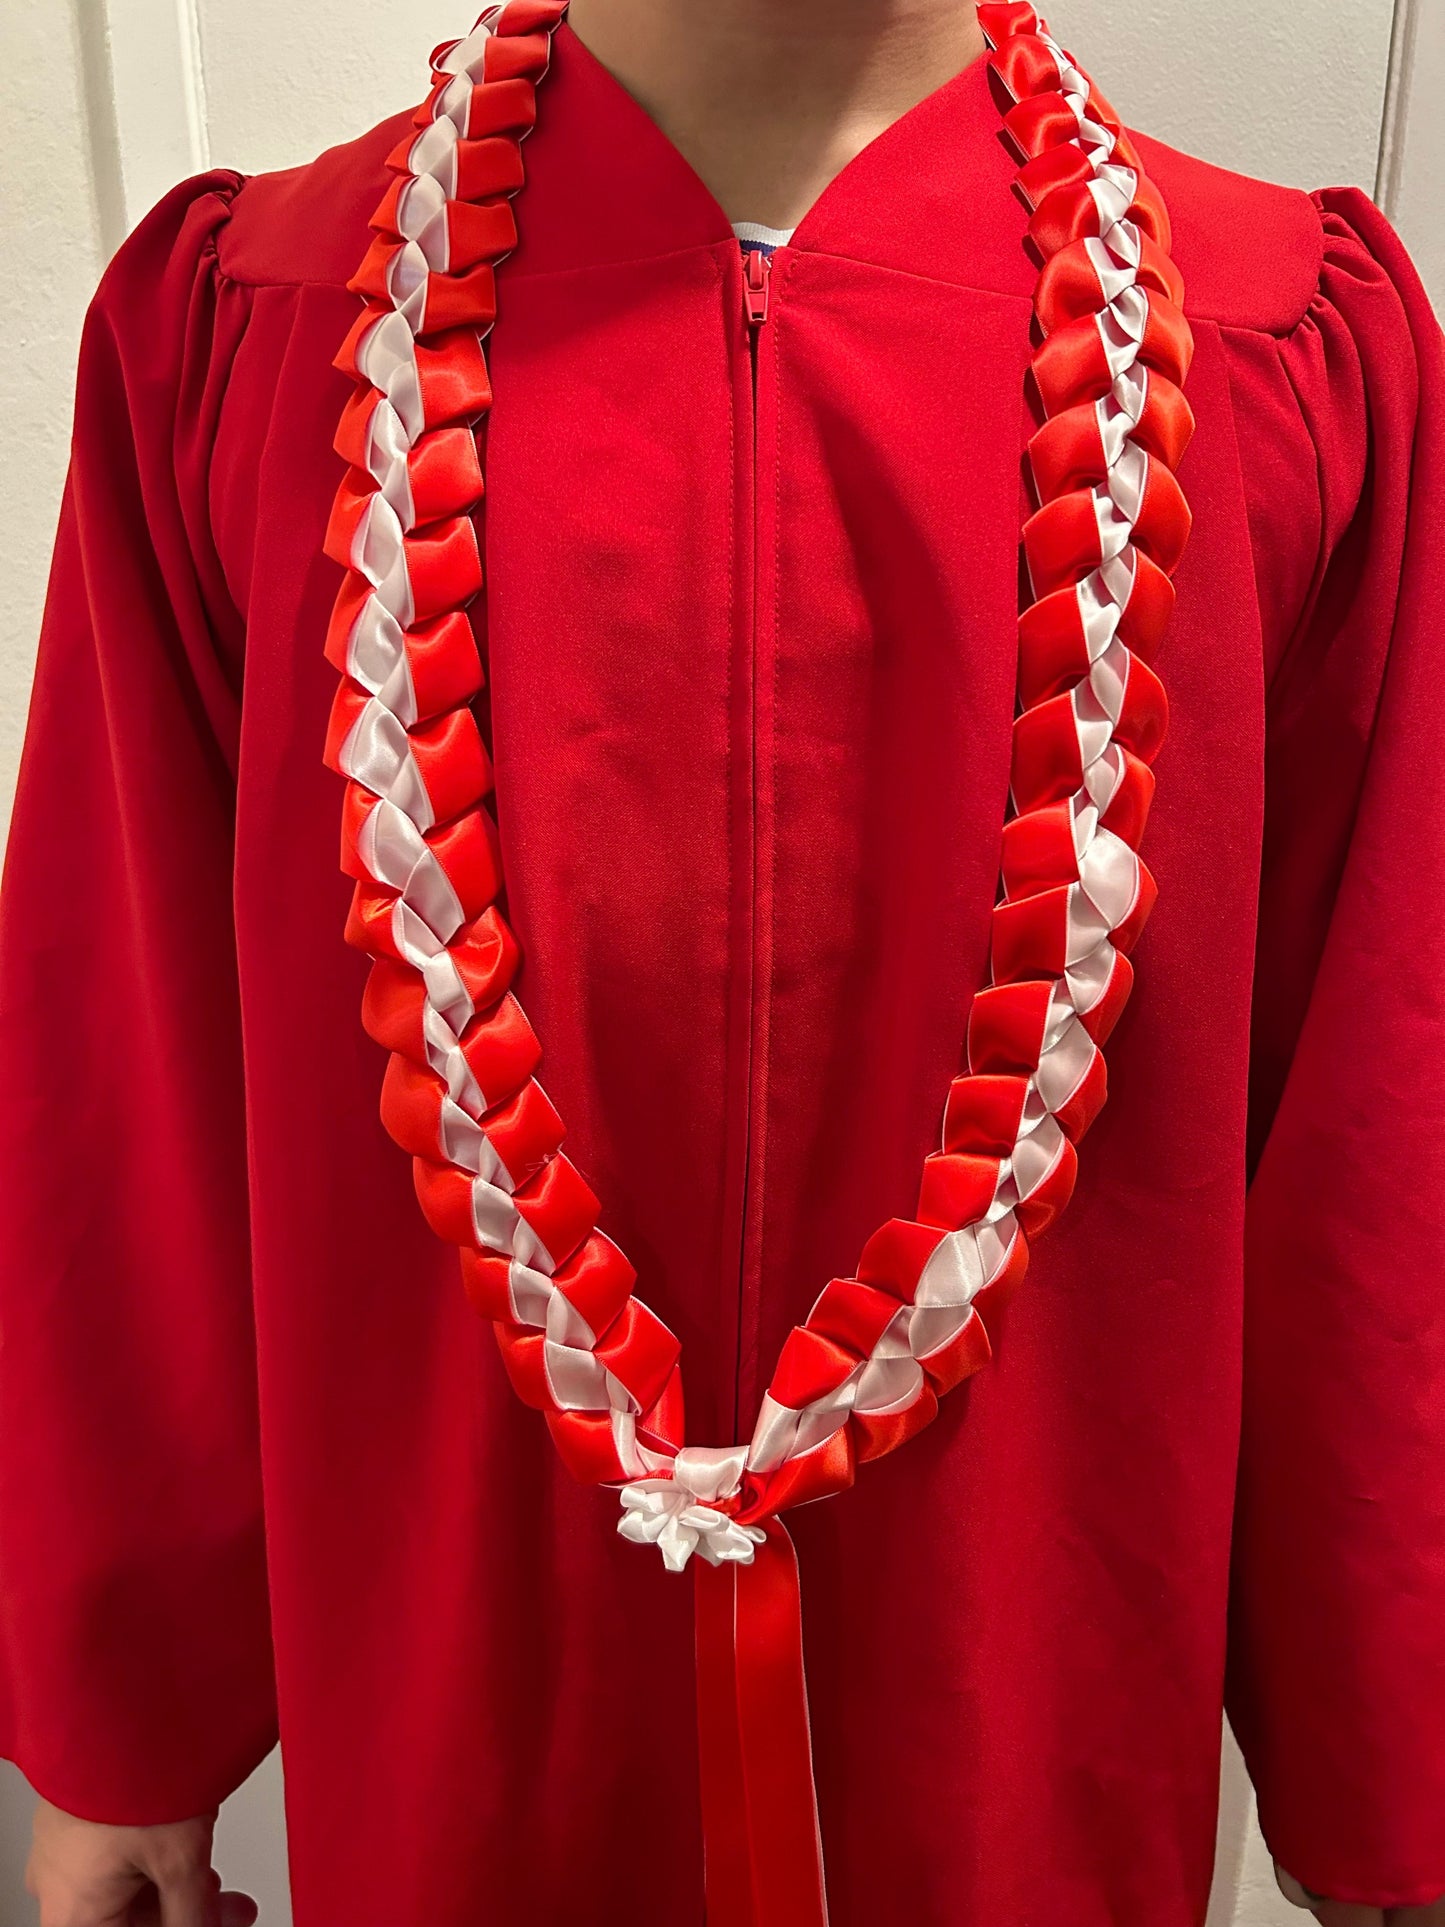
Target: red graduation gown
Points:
(752, 662)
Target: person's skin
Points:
(1337, 1913)
(84, 1875)
(767, 102)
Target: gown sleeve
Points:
(1336, 1676)
(135, 1667)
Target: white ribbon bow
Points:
(679, 1515)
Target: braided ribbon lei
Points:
(866, 1369)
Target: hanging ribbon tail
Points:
(762, 1846)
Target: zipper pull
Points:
(757, 278)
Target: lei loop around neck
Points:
(865, 1371)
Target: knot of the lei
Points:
(682, 1514)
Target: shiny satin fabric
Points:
(864, 1372)
(1108, 532)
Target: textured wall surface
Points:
(1292, 90)
(51, 252)
(104, 103)
(1274, 87)
(1412, 155)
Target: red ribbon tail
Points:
(763, 1849)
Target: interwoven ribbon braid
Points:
(865, 1371)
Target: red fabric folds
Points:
(752, 795)
(134, 1607)
(1337, 1668)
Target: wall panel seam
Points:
(90, 29)
(1395, 117)
(194, 69)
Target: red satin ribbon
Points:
(763, 1850)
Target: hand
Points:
(85, 1875)
(1341, 1913)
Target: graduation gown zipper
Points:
(752, 806)
(762, 1845)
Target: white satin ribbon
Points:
(679, 1515)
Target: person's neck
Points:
(769, 99)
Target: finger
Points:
(191, 1899)
(238, 1910)
(1343, 1913)
(1296, 1894)
(1417, 1916)
(69, 1911)
(63, 1903)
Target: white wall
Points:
(50, 254)
(104, 103)
(1412, 145)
